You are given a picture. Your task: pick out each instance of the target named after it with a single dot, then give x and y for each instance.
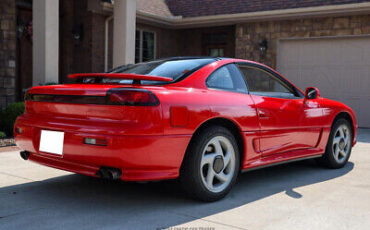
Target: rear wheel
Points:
(339, 147)
(211, 166)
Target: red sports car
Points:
(199, 119)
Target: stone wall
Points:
(7, 52)
(249, 35)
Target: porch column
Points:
(124, 26)
(45, 24)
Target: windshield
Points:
(175, 69)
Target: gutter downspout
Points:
(106, 51)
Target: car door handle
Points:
(262, 115)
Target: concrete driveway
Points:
(294, 196)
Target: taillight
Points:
(18, 130)
(132, 97)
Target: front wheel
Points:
(211, 165)
(339, 147)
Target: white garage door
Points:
(339, 67)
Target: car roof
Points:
(177, 58)
(186, 58)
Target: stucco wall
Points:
(249, 35)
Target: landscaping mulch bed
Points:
(7, 142)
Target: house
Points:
(323, 43)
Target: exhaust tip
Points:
(25, 155)
(109, 173)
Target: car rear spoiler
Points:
(136, 77)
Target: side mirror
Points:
(312, 93)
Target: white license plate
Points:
(51, 142)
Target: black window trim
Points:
(227, 90)
(298, 95)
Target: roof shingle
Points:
(195, 8)
(155, 7)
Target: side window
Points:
(227, 77)
(144, 46)
(262, 83)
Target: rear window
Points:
(175, 69)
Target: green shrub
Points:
(2, 134)
(8, 116)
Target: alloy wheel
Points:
(341, 143)
(217, 164)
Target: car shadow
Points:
(76, 201)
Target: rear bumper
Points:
(139, 157)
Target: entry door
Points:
(214, 50)
(285, 118)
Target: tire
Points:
(211, 164)
(339, 146)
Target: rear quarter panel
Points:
(191, 96)
(202, 105)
